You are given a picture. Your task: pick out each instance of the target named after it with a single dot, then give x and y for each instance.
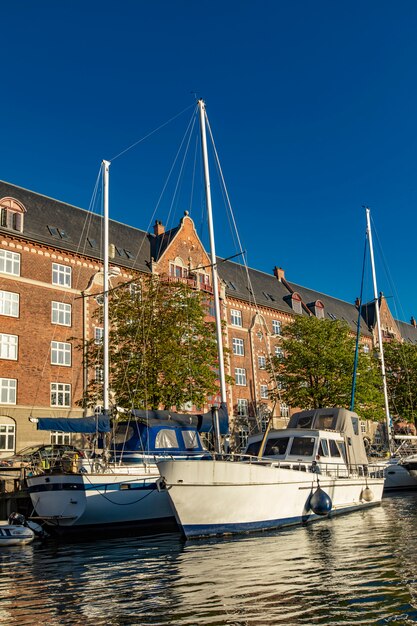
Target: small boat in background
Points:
(15, 532)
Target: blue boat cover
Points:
(202, 422)
(92, 424)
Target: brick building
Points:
(50, 283)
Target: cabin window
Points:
(325, 422)
(191, 439)
(323, 448)
(253, 448)
(276, 446)
(334, 450)
(166, 439)
(302, 446)
(342, 447)
(305, 421)
(123, 433)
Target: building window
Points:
(60, 353)
(279, 352)
(60, 439)
(8, 390)
(243, 435)
(60, 394)
(8, 347)
(61, 313)
(264, 392)
(236, 317)
(98, 335)
(240, 376)
(242, 407)
(276, 327)
(261, 362)
(135, 291)
(296, 303)
(7, 437)
(11, 214)
(319, 309)
(365, 349)
(285, 410)
(98, 374)
(238, 347)
(61, 275)
(10, 262)
(9, 303)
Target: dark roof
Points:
(408, 331)
(70, 228)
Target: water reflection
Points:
(357, 569)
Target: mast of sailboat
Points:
(219, 337)
(106, 166)
(378, 323)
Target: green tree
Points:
(401, 370)
(316, 370)
(162, 347)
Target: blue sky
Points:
(313, 106)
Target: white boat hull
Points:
(109, 500)
(221, 497)
(11, 535)
(397, 477)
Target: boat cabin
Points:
(323, 439)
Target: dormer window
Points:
(11, 214)
(296, 303)
(317, 308)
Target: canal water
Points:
(356, 569)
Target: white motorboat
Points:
(15, 532)
(316, 467)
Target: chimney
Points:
(413, 322)
(279, 273)
(158, 228)
(358, 302)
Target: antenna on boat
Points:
(378, 323)
(219, 338)
(106, 166)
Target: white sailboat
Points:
(228, 494)
(119, 491)
(396, 472)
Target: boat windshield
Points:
(302, 446)
(275, 446)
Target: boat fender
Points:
(320, 503)
(367, 494)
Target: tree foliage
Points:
(317, 368)
(401, 371)
(162, 347)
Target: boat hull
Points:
(222, 497)
(398, 477)
(82, 503)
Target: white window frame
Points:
(9, 262)
(236, 318)
(9, 345)
(98, 335)
(98, 374)
(240, 376)
(242, 407)
(264, 392)
(276, 327)
(243, 435)
(8, 390)
(262, 362)
(59, 438)
(238, 346)
(61, 275)
(9, 303)
(284, 410)
(279, 352)
(61, 313)
(8, 435)
(365, 349)
(60, 394)
(61, 353)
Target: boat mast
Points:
(106, 166)
(378, 323)
(219, 337)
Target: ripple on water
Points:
(356, 569)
